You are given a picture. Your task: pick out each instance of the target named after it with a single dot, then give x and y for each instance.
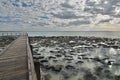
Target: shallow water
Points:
(77, 62)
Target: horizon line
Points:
(60, 31)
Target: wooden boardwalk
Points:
(16, 61)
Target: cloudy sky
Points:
(55, 15)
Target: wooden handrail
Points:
(31, 68)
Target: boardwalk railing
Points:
(31, 68)
(2, 33)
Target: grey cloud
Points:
(93, 10)
(105, 21)
(40, 24)
(90, 3)
(116, 15)
(65, 15)
(79, 22)
(67, 5)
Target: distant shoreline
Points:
(59, 31)
(107, 34)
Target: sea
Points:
(107, 34)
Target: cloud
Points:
(10, 20)
(44, 17)
(59, 13)
(67, 5)
(105, 21)
(16, 5)
(26, 4)
(65, 15)
(78, 23)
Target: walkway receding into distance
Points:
(16, 61)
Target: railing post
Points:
(7, 34)
(37, 69)
(11, 33)
(2, 34)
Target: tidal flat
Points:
(77, 57)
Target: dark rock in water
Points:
(35, 52)
(52, 51)
(38, 57)
(55, 60)
(38, 54)
(48, 67)
(57, 68)
(79, 62)
(59, 51)
(44, 65)
(41, 57)
(82, 55)
(56, 51)
(69, 59)
(97, 59)
(69, 67)
(58, 55)
(72, 54)
(109, 63)
(115, 46)
(95, 45)
(79, 57)
(43, 61)
(105, 58)
(72, 51)
(85, 57)
(106, 46)
(51, 57)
